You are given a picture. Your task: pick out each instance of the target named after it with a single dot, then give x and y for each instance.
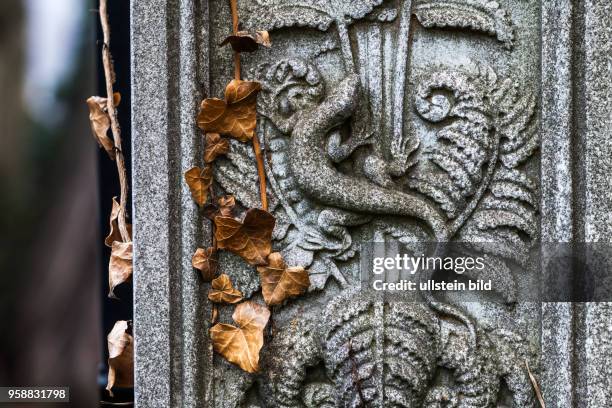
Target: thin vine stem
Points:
(214, 310)
(109, 76)
(261, 170)
(262, 173)
(235, 22)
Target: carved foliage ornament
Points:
(342, 158)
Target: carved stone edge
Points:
(170, 77)
(167, 85)
(576, 191)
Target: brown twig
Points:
(214, 311)
(234, 7)
(535, 385)
(109, 75)
(261, 171)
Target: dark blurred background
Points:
(55, 196)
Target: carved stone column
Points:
(397, 121)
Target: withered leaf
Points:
(236, 116)
(120, 357)
(251, 239)
(536, 387)
(241, 345)
(199, 181)
(214, 315)
(224, 207)
(120, 266)
(210, 211)
(115, 234)
(279, 282)
(100, 124)
(243, 41)
(215, 146)
(223, 291)
(205, 260)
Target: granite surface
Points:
(356, 97)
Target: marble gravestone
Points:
(395, 121)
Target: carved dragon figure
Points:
(329, 175)
(359, 338)
(331, 187)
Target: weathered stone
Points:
(393, 121)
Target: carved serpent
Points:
(359, 374)
(316, 176)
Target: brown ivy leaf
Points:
(251, 239)
(100, 124)
(236, 116)
(210, 211)
(114, 234)
(120, 357)
(279, 283)
(215, 146)
(120, 266)
(224, 207)
(199, 180)
(243, 41)
(223, 291)
(205, 260)
(241, 345)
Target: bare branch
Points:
(109, 74)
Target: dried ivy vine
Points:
(103, 116)
(249, 236)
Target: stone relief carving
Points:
(373, 354)
(366, 156)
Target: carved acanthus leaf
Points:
(479, 15)
(319, 14)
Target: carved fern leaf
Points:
(451, 170)
(516, 125)
(374, 352)
(506, 218)
(319, 14)
(496, 269)
(480, 15)
(238, 173)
